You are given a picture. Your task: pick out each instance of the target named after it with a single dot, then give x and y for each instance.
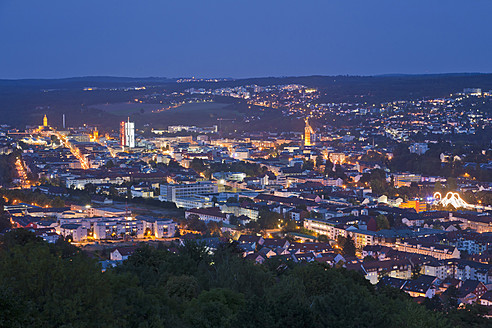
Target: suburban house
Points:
(470, 291)
(423, 286)
(122, 253)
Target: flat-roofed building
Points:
(172, 192)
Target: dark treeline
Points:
(46, 285)
(430, 163)
(250, 169)
(30, 197)
(7, 170)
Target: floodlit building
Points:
(406, 179)
(159, 228)
(308, 134)
(127, 134)
(415, 204)
(74, 232)
(337, 158)
(172, 192)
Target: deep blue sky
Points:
(242, 38)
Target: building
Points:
(208, 214)
(235, 176)
(423, 286)
(308, 134)
(362, 238)
(238, 210)
(437, 269)
(73, 232)
(45, 121)
(330, 229)
(470, 291)
(486, 298)
(198, 201)
(240, 153)
(143, 192)
(440, 252)
(337, 158)
(122, 253)
(105, 230)
(406, 179)
(415, 204)
(156, 227)
(172, 192)
(127, 134)
(472, 91)
(106, 212)
(478, 223)
(469, 270)
(394, 268)
(79, 183)
(418, 148)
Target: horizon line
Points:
(242, 78)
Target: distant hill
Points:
(96, 81)
(25, 101)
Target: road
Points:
(84, 163)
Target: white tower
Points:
(127, 134)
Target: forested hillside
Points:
(44, 285)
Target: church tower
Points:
(308, 134)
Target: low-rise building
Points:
(208, 214)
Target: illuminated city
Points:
(219, 164)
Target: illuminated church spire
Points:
(45, 120)
(308, 133)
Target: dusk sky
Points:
(60, 38)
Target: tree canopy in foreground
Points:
(56, 285)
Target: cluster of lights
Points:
(22, 174)
(75, 151)
(451, 198)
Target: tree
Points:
(382, 222)
(184, 287)
(232, 200)
(308, 165)
(218, 307)
(416, 271)
(4, 221)
(13, 310)
(347, 245)
(109, 164)
(451, 184)
(213, 228)
(57, 202)
(51, 285)
(268, 219)
(18, 237)
(198, 165)
(289, 226)
(328, 167)
(370, 259)
(195, 223)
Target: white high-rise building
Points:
(127, 134)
